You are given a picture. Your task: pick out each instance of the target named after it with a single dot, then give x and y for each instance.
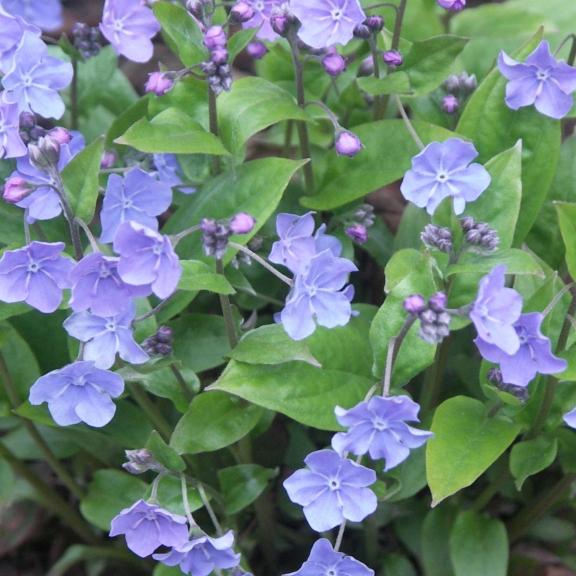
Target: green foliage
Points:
(197, 275)
(532, 456)
(243, 484)
(567, 221)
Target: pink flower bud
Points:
(215, 37)
(334, 64)
(414, 304)
(108, 159)
(393, 58)
(347, 144)
(357, 232)
(16, 189)
(158, 83)
(450, 104)
(241, 12)
(256, 50)
(242, 223)
(60, 135)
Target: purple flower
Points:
(357, 232)
(324, 560)
(319, 295)
(13, 29)
(532, 357)
(332, 489)
(34, 79)
(168, 171)
(129, 25)
(379, 427)
(452, 5)
(46, 14)
(11, 145)
(202, 556)
(77, 393)
(296, 245)
(137, 196)
(35, 274)
(147, 259)
(347, 144)
(147, 527)
(44, 203)
(541, 80)
(159, 83)
(97, 286)
(327, 22)
(570, 418)
(393, 58)
(333, 63)
(106, 336)
(496, 310)
(442, 170)
(261, 18)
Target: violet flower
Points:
(11, 145)
(202, 555)
(327, 22)
(130, 25)
(378, 427)
(532, 357)
(147, 259)
(137, 196)
(296, 244)
(45, 14)
(332, 489)
(168, 171)
(103, 337)
(496, 310)
(34, 79)
(35, 274)
(541, 81)
(261, 18)
(147, 527)
(443, 170)
(452, 5)
(13, 28)
(79, 392)
(570, 418)
(324, 560)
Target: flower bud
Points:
(108, 159)
(140, 461)
(333, 63)
(374, 23)
(438, 301)
(468, 82)
(164, 335)
(467, 223)
(241, 12)
(450, 104)
(393, 58)
(357, 232)
(256, 50)
(437, 237)
(215, 37)
(366, 66)
(158, 83)
(242, 223)
(347, 144)
(452, 5)
(196, 8)
(27, 121)
(45, 154)
(414, 304)
(452, 83)
(434, 326)
(219, 56)
(362, 31)
(16, 189)
(280, 23)
(60, 135)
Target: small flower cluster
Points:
(433, 315)
(160, 343)
(458, 88)
(216, 233)
(217, 69)
(478, 236)
(86, 39)
(360, 221)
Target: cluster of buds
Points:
(283, 21)
(437, 237)
(433, 315)
(479, 234)
(216, 233)
(140, 461)
(30, 130)
(495, 376)
(458, 88)
(360, 221)
(45, 153)
(371, 26)
(159, 83)
(86, 39)
(217, 68)
(160, 344)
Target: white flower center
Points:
(379, 424)
(27, 80)
(104, 271)
(334, 484)
(158, 248)
(118, 25)
(336, 13)
(542, 75)
(259, 6)
(33, 267)
(127, 203)
(80, 381)
(111, 326)
(442, 176)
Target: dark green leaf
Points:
(241, 485)
(197, 275)
(567, 220)
(396, 83)
(164, 454)
(239, 40)
(435, 546)
(532, 456)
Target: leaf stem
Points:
(213, 122)
(68, 212)
(434, 376)
(408, 123)
(74, 95)
(261, 261)
(340, 536)
(181, 382)
(393, 349)
(186, 502)
(378, 102)
(226, 306)
(209, 509)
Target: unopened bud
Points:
(281, 23)
(393, 58)
(158, 83)
(362, 31)
(468, 82)
(347, 144)
(437, 237)
(414, 304)
(215, 37)
(256, 50)
(45, 153)
(333, 63)
(108, 160)
(16, 189)
(452, 83)
(374, 23)
(438, 302)
(241, 12)
(140, 461)
(450, 104)
(242, 223)
(219, 56)
(452, 5)
(60, 135)
(357, 232)
(196, 8)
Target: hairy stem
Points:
(227, 311)
(378, 102)
(68, 213)
(181, 382)
(213, 121)
(408, 123)
(261, 261)
(393, 349)
(434, 375)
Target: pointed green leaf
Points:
(532, 456)
(164, 454)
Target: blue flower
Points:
(332, 489)
(378, 427)
(46, 14)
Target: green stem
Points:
(433, 380)
(408, 123)
(150, 410)
(49, 456)
(74, 95)
(68, 213)
(261, 261)
(393, 349)
(213, 121)
(209, 509)
(227, 311)
(188, 394)
(49, 496)
(378, 102)
(301, 125)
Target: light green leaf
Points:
(396, 83)
(479, 546)
(567, 220)
(516, 262)
(197, 275)
(164, 454)
(466, 443)
(172, 131)
(80, 178)
(241, 485)
(213, 421)
(532, 456)
(435, 546)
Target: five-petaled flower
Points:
(45, 14)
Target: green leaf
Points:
(252, 105)
(494, 127)
(567, 220)
(255, 187)
(164, 454)
(213, 421)
(271, 345)
(181, 33)
(479, 546)
(238, 41)
(170, 496)
(300, 391)
(408, 272)
(378, 164)
(129, 117)
(80, 178)
(172, 131)
(516, 261)
(241, 485)
(466, 443)
(197, 275)
(532, 456)
(110, 492)
(396, 83)
(435, 546)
